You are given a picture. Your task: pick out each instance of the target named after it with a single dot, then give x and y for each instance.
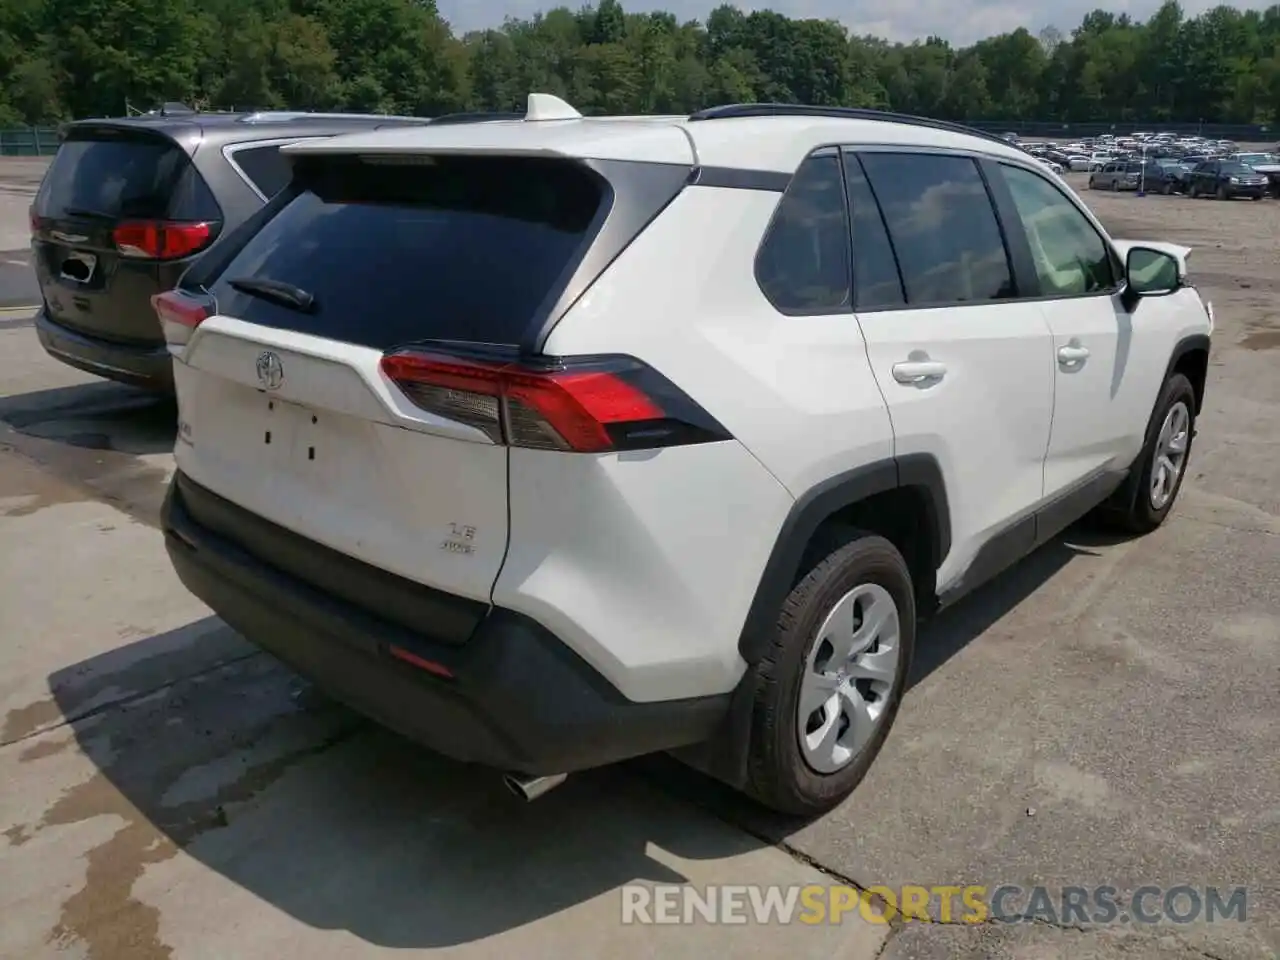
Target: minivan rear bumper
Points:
(142, 366)
(517, 699)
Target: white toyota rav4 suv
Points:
(556, 441)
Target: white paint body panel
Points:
(986, 421)
(389, 485)
(644, 563)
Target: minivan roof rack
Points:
(741, 110)
(285, 116)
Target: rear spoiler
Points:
(1177, 251)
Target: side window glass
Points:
(876, 282)
(269, 171)
(1071, 257)
(803, 263)
(943, 227)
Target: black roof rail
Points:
(478, 116)
(740, 110)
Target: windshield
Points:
(1254, 158)
(1236, 169)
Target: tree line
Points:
(61, 59)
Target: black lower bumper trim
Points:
(145, 366)
(518, 699)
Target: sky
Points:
(960, 21)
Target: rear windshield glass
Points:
(448, 248)
(123, 176)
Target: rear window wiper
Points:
(277, 291)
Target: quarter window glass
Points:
(268, 170)
(803, 264)
(943, 227)
(1071, 257)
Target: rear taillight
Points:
(180, 313)
(583, 405)
(162, 240)
(34, 220)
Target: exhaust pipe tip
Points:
(531, 788)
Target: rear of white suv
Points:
(367, 434)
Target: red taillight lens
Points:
(34, 220)
(181, 308)
(161, 240)
(585, 406)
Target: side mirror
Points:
(1150, 273)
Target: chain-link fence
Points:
(28, 141)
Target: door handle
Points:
(1072, 353)
(918, 371)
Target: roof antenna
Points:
(544, 106)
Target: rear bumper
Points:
(517, 700)
(141, 366)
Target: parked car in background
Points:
(127, 204)
(1264, 164)
(1129, 175)
(1226, 180)
(1079, 163)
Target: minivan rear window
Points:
(123, 175)
(462, 248)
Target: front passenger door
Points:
(1099, 410)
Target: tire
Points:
(1115, 186)
(1193, 191)
(1134, 509)
(782, 775)
(1167, 189)
(1221, 193)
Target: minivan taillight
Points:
(580, 404)
(161, 239)
(180, 313)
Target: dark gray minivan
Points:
(129, 203)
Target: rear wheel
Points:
(1193, 191)
(829, 686)
(1222, 192)
(1155, 479)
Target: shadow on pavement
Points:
(215, 750)
(111, 439)
(96, 416)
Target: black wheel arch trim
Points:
(819, 504)
(1188, 344)
(1126, 495)
(724, 755)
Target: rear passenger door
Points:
(965, 367)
